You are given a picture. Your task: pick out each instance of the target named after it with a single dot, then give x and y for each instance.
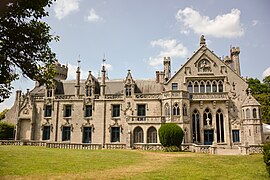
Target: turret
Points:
(61, 71)
(167, 68)
(235, 51)
(202, 41)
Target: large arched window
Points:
(247, 114)
(196, 126)
(254, 112)
(190, 88)
(202, 87)
(196, 87)
(184, 110)
(207, 117)
(152, 135)
(208, 87)
(220, 126)
(176, 110)
(167, 110)
(138, 135)
(214, 86)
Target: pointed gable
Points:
(129, 80)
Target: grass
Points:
(39, 162)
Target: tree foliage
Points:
(170, 136)
(3, 114)
(261, 91)
(6, 131)
(266, 157)
(24, 43)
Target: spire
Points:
(77, 85)
(103, 76)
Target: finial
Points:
(202, 41)
(249, 91)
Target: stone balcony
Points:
(145, 119)
(175, 94)
(209, 96)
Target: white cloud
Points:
(93, 16)
(72, 72)
(266, 72)
(185, 32)
(225, 25)
(254, 22)
(63, 8)
(170, 48)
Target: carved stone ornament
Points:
(204, 66)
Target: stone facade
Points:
(207, 97)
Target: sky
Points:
(136, 35)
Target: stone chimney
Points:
(235, 51)
(103, 78)
(77, 85)
(167, 68)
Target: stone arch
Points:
(207, 117)
(214, 86)
(208, 86)
(152, 135)
(138, 135)
(167, 109)
(196, 87)
(254, 113)
(190, 87)
(220, 86)
(184, 109)
(196, 126)
(202, 87)
(176, 109)
(220, 126)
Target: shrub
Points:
(170, 136)
(6, 131)
(266, 157)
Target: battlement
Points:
(166, 59)
(61, 71)
(235, 50)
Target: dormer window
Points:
(128, 90)
(88, 91)
(49, 92)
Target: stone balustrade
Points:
(147, 96)
(73, 145)
(251, 149)
(209, 96)
(175, 94)
(145, 119)
(115, 146)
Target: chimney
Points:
(103, 77)
(167, 68)
(77, 85)
(235, 51)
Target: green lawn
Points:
(39, 162)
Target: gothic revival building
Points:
(207, 97)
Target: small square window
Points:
(174, 86)
(116, 110)
(67, 111)
(66, 134)
(141, 110)
(46, 133)
(115, 134)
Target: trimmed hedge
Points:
(171, 136)
(266, 157)
(6, 131)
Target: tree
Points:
(261, 92)
(3, 114)
(170, 136)
(6, 131)
(24, 43)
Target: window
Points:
(66, 133)
(176, 110)
(174, 86)
(152, 135)
(208, 87)
(214, 87)
(67, 111)
(46, 132)
(87, 134)
(184, 110)
(88, 111)
(220, 126)
(88, 91)
(141, 110)
(254, 112)
(167, 110)
(196, 126)
(235, 134)
(202, 87)
(220, 86)
(115, 134)
(207, 117)
(116, 110)
(128, 90)
(138, 135)
(247, 114)
(49, 92)
(196, 87)
(48, 111)
(190, 88)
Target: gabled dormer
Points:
(129, 85)
(91, 86)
